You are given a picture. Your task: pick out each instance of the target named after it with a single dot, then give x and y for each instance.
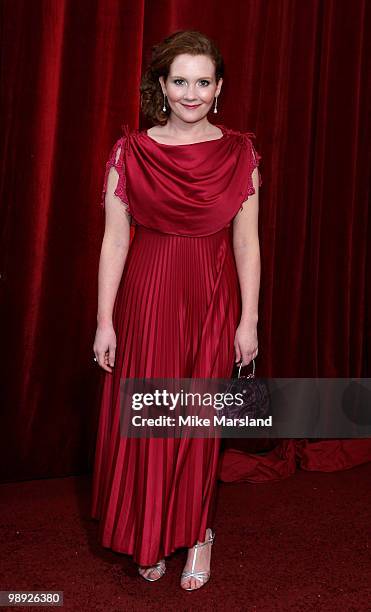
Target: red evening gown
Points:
(176, 314)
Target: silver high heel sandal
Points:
(160, 567)
(202, 575)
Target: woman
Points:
(181, 302)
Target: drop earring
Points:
(216, 104)
(164, 106)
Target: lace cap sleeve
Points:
(254, 162)
(116, 160)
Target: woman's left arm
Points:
(247, 255)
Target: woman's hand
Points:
(105, 346)
(246, 343)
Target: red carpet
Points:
(300, 544)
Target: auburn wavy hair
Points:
(163, 54)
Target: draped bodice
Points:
(189, 189)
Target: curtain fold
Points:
(296, 75)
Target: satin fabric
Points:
(205, 182)
(175, 315)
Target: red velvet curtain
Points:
(296, 76)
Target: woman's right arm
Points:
(115, 246)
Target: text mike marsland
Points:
(196, 421)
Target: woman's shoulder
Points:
(245, 143)
(241, 135)
(127, 131)
(123, 141)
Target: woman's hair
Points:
(163, 54)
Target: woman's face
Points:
(191, 87)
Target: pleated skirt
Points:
(175, 316)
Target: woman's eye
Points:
(203, 82)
